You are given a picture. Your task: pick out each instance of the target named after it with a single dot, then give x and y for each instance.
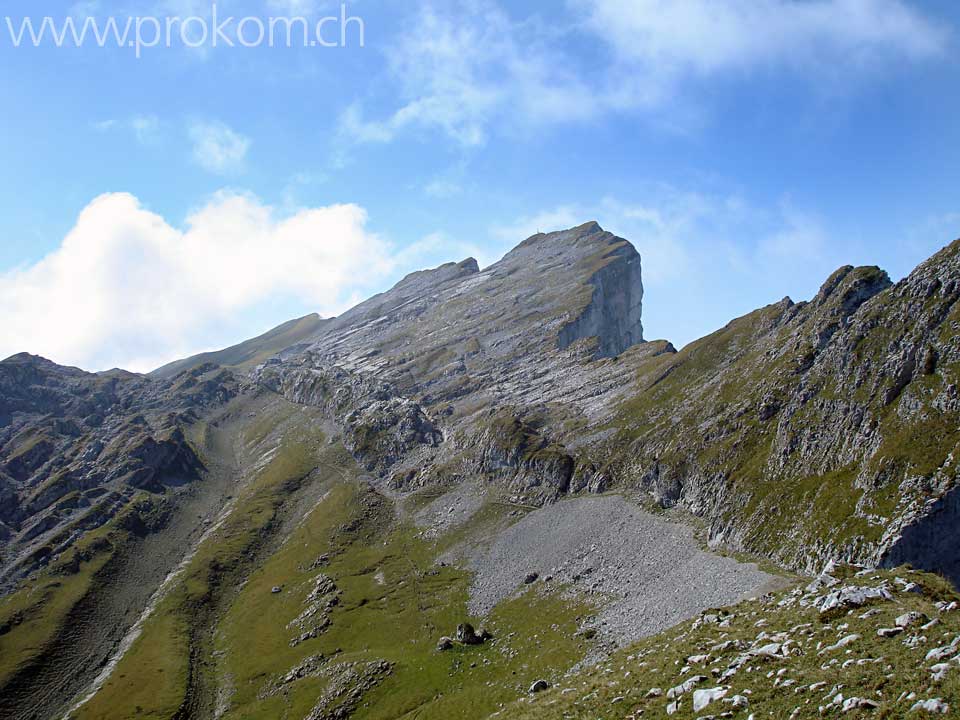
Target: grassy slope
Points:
(152, 679)
(395, 605)
(618, 688)
(33, 616)
(222, 623)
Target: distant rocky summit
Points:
(417, 439)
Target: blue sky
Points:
(188, 199)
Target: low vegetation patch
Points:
(867, 644)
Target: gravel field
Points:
(648, 572)
(452, 508)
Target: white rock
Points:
(737, 701)
(850, 596)
(936, 705)
(908, 619)
(940, 653)
(771, 650)
(856, 703)
(842, 643)
(539, 686)
(939, 671)
(702, 698)
(685, 687)
(915, 641)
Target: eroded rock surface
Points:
(75, 448)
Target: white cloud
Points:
(217, 148)
(146, 128)
(465, 66)
(442, 189)
(468, 66)
(708, 37)
(128, 289)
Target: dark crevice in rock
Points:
(931, 542)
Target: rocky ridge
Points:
(477, 372)
(77, 447)
(813, 431)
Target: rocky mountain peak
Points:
(609, 268)
(589, 232)
(26, 359)
(21, 358)
(849, 287)
(547, 294)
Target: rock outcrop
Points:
(76, 447)
(613, 315)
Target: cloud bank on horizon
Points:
(126, 289)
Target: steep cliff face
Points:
(614, 313)
(930, 540)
